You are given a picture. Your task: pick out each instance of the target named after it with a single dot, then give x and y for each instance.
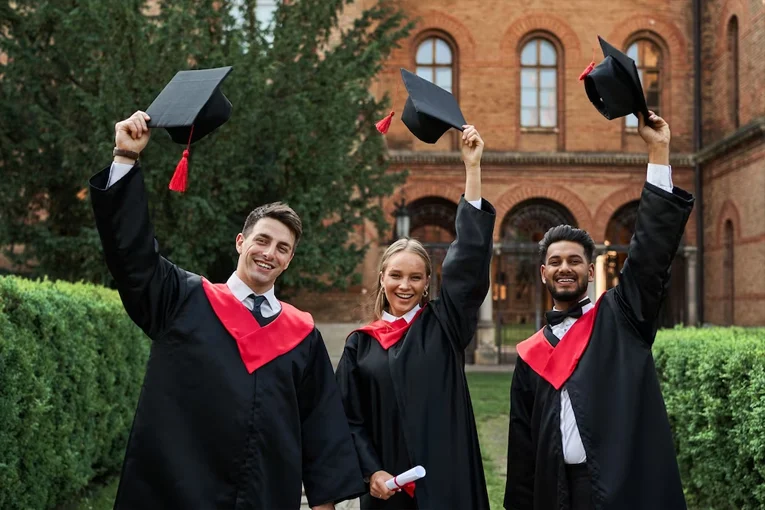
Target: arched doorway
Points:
(432, 223)
(609, 264)
(520, 299)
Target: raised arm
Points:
(465, 270)
(661, 219)
(150, 286)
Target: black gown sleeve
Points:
(330, 467)
(659, 228)
(519, 487)
(465, 272)
(347, 380)
(151, 287)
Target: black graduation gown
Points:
(614, 388)
(409, 405)
(209, 433)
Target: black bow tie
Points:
(555, 317)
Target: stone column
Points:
(690, 253)
(486, 345)
(599, 284)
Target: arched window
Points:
(619, 232)
(733, 70)
(539, 84)
(728, 275)
(435, 62)
(648, 58)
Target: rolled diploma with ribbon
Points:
(397, 482)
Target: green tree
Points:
(302, 128)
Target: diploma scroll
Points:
(398, 482)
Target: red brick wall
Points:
(734, 189)
(717, 86)
(487, 35)
(734, 182)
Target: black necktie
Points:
(555, 317)
(256, 310)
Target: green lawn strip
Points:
(490, 393)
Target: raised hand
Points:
(132, 134)
(656, 136)
(472, 147)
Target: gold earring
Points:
(425, 294)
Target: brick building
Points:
(551, 158)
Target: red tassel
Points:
(384, 124)
(181, 175)
(587, 71)
(589, 68)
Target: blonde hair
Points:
(403, 244)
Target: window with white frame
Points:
(435, 62)
(539, 84)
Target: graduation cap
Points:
(190, 107)
(429, 112)
(613, 86)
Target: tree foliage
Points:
(302, 129)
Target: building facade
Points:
(551, 158)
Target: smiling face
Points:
(566, 273)
(404, 280)
(264, 254)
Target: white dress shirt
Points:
(408, 316)
(573, 449)
(243, 293)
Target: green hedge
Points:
(71, 367)
(713, 381)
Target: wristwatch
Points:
(125, 153)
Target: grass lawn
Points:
(490, 393)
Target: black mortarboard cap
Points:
(192, 98)
(190, 107)
(430, 110)
(613, 86)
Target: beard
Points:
(567, 295)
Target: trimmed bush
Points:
(71, 368)
(713, 381)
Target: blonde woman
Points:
(402, 376)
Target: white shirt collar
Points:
(408, 316)
(586, 308)
(241, 291)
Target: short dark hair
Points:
(280, 212)
(566, 233)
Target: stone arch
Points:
(610, 205)
(669, 33)
(538, 22)
(543, 210)
(432, 219)
(419, 190)
(729, 211)
(515, 196)
(437, 21)
(730, 8)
